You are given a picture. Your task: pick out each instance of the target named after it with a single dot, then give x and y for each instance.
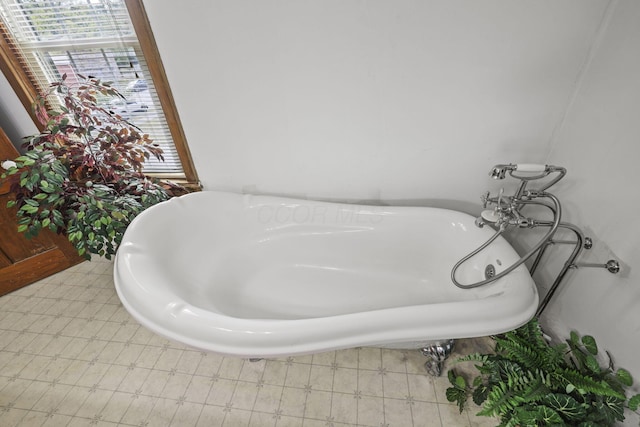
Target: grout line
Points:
(358, 385)
(334, 368)
(288, 364)
(213, 380)
(259, 384)
(191, 382)
(307, 391)
(384, 406)
(409, 396)
(228, 407)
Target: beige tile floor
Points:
(71, 355)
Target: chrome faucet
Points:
(506, 212)
(507, 208)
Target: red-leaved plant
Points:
(82, 175)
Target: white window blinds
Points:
(92, 38)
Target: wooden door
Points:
(24, 261)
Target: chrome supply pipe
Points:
(579, 245)
(534, 265)
(581, 242)
(542, 251)
(502, 227)
(612, 265)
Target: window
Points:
(108, 39)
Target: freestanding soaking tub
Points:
(262, 276)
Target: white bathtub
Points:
(260, 276)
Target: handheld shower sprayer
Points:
(500, 171)
(528, 172)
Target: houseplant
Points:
(528, 382)
(82, 175)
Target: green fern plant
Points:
(528, 382)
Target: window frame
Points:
(27, 90)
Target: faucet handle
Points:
(485, 199)
(500, 194)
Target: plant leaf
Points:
(611, 408)
(590, 344)
(588, 423)
(548, 416)
(634, 402)
(526, 416)
(480, 394)
(565, 405)
(458, 396)
(499, 401)
(522, 352)
(625, 377)
(592, 364)
(587, 384)
(451, 375)
(461, 383)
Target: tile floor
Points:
(71, 355)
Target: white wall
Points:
(599, 143)
(14, 119)
(375, 99)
